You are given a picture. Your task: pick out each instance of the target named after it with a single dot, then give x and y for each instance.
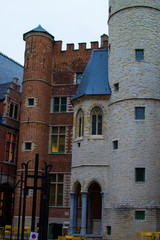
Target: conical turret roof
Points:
(37, 29)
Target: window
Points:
(10, 148)
(13, 111)
(80, 123)
(58, 140)
(109, 11)
(140, 174)
(30, 102)
(56, 189)
(115, 144)
(59, 104)
(140, 113)
(28, 146)
(79, 77)
(108, 230)
(140, 215)
(139, 54)
(96, 121)
(116, 87)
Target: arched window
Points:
(96, 121)
(80, 123)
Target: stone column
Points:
(89, 230)
(84, 213)
(102, 211)
(72, 209)
(75, 214)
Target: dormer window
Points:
(13, 111)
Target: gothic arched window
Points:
(80, 123)
(96, 115)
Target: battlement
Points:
(81, 46)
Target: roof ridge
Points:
(11, 59)
(5, 83)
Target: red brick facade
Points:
(9, 129)
(49, 72)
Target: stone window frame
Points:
(94, 112)
(58, 139)
(28, 148)
(14, 110)
(59, 104)
(57, 181)
(80, 124)
(34, 102)
(10, 152)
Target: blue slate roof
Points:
(37, 29)
(95, 77)
(3, 89)
(9, 69)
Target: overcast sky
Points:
(71, 21)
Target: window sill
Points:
(97, 137)
(9, 163)
(78, 139)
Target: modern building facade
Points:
(116, 134)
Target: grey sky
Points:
(71, 21)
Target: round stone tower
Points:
(35, 107)
(133, 200)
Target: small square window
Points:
(139, 54)
(140, 113)
(140, 174)
(116, 86)
(28, 146)
(140, 215)
(108, 230)
(78, 77)
(30, 102)
(115, 144)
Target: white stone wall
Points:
(121, 4)
(93, 150)
(139, 140)
(130, 29)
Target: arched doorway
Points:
(6, 204)
(88, 219)
(94, 207)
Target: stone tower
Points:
(134, 113)
(35, 107)
(116, 153)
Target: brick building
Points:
(11, 76)
(105, 151)
(51, 77)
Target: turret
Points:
(134, 33)
(35, 107)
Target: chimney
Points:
(104, 41)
